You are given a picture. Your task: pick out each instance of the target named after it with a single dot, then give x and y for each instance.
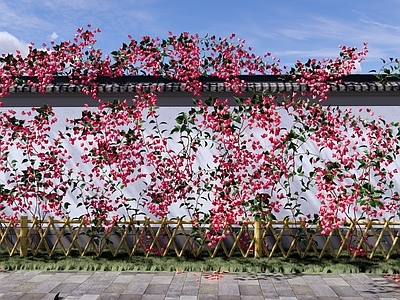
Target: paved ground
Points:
(193, 286)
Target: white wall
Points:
(168, 114)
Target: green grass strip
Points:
(310, 265)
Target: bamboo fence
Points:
(178, 237)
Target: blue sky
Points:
(288, 29)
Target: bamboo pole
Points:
(257, 239)
(23, 237)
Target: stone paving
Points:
(193, 286)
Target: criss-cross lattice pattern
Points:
(178, 237)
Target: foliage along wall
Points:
(266, 156)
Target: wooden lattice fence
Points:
(177, 237)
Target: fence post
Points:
(257, 239)
(23, 237)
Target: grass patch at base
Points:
(294, 264)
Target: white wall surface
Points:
(168, 114)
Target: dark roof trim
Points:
(269, 83)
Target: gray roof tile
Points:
(253, 85)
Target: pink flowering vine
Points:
(33, 164)
(255, 160)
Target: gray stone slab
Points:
(345, 291)
(147, 277)
(61, 276)
(306, 297)
(71, 298)
(296, 280)
(179, 277)
(248, 279)
(151, 297)
(12, 295)
(284, 293)
(157, 289)
(335, 281)
(229, 278)
(97, 289)
(46, 287)
(50, 296)
(89, 297)
(96, 276)
(302, 290)
(25, 287)
(363, 278)
(277, 277)
(40, 278)
(229, 297)
(281, 285)
(192, 278)
(130, 297)
(376, 295)
(250, 290)
(116, 288)
(82, 289)
(175, 288)
(267, 287)
(314, 279)
(330, 275)
(8, 286)
(173, 295)
(109, 296)
(322, 290)
(228, 288)
(270, 295)
(207, 297)
(371, 296)
(204, 280)
(386, 284)
(189, 290)
(104, 282)
(162, 279)
(65, 288)
(128, 273)
(251, 297)
(4, 274)
(208, 289)
(191, 285)
(32, 296)
(124, 278)
(136, 287)
(352, 298)
(111, 274)
(77, 293)
(360, 288)
(75, 278)
(264, 279)
(187, 297)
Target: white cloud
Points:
(18, 16)
(355, 31)
(54, 36)
(358, 69)
(9, 43)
